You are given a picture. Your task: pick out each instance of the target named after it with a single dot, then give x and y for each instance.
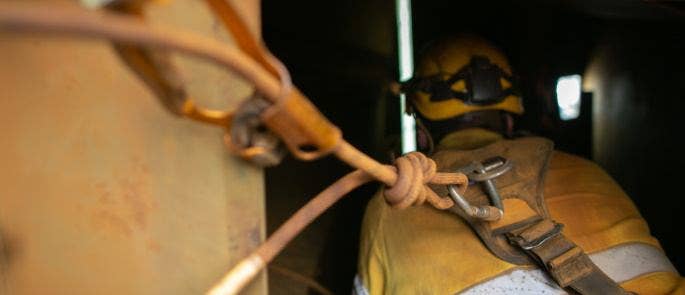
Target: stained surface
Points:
(102, 190)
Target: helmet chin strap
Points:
(494, 120)
(425, 141)
(508, 124)
(430, 131)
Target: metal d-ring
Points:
(484, 172)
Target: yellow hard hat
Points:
(459, 75)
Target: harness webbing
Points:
(562, 259)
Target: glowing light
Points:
(93, 4)
(568, 96)
(406, 65)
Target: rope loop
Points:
(414, 171)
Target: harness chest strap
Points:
(563, 260)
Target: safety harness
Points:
(510, 175)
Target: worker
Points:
(563, 226)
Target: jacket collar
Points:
(468, 139)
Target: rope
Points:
(406, 181)
(415, 170)
(19, 16)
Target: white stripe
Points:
(359, 288)
(626, 262)
(520, 281)
(620, 263)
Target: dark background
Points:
(343, 55)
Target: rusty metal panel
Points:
(101, 190)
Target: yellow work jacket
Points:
(422, 250)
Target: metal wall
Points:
(104, 192)
(636, 75)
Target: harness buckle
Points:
(530, 245)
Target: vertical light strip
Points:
(406, 63)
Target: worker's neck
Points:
(468, 139)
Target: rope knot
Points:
(414, 171)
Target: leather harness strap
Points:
(563, 260)
(526, 234)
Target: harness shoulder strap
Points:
(563, 260)
(524, 182)
(526, 235)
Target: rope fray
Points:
(415, 170)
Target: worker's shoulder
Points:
(378, 212)
(559, 162)
(569, 174)
(407, 228)
(564, 160)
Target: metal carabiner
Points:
(485, 172)
(488, 213)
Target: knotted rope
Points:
(415, 170)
